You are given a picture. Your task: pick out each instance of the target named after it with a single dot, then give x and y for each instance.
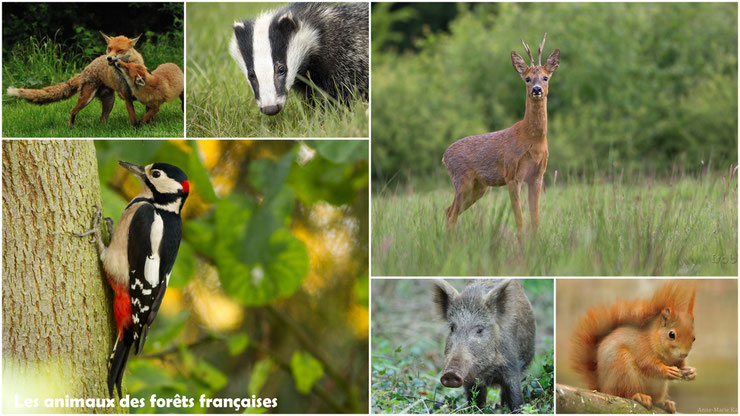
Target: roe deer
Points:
(507, 157)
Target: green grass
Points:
(681, 226)
(220, 102)
(40, 63)
(408, 353)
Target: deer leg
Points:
(534, 187)
(453, 211)
(515, 188)
(475, 193)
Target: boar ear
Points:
(444, 293)
(496, 298)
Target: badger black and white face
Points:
(270, 50)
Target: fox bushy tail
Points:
(49, 94)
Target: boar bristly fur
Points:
(491, 338)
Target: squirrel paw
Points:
(669, 406)
(688, 373)
(671, 373)
(643, 399)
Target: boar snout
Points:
(451, 379)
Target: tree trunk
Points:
(57, 325)
(574, 400)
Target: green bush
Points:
(641, 87)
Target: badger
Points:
(325, 43)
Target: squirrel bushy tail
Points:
(599, 321)
(49, 94)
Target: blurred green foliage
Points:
(643, 87)
(298, 345)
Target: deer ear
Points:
(519, 65)
(553, 61)
(444, 294)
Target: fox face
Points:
(119, 47)
(134, 72)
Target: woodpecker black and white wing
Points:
(147, 286)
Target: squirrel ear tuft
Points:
(690, 309)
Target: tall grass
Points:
(220, 102)
(677, 226)
(38, 63)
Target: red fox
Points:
(162, 85)
(98, 79)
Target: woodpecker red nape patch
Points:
(185, 187)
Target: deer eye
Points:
(672, 335)
(545, 78)
(528, 79)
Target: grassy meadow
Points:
(677, 226)
(38, 63)
(408, 339)
(220, 102)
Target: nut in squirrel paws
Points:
(671, 373)
(643, 399)
(688, 373)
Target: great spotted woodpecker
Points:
(139, 259)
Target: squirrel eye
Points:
(694, 338)
(672, 335)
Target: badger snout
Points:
(451, 379)
(271, 110)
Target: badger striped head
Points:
(270, 51)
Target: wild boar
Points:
(491, 339)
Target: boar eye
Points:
(672, 335)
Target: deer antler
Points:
(526, 48)
(539, 53)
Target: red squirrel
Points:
(633, 348)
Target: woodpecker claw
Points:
(94, 232)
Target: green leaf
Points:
(184, 267)
(260, 372)
(201, 235)
(306, 371)
(165, 330)
(278, 274)
(341, 151)
(237, 343)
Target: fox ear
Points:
(140, 81)
(133, 41)
(107, 38)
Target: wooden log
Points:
(571, 399)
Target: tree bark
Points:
(57, 325)
(574, 400)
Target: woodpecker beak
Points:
(135, 169)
